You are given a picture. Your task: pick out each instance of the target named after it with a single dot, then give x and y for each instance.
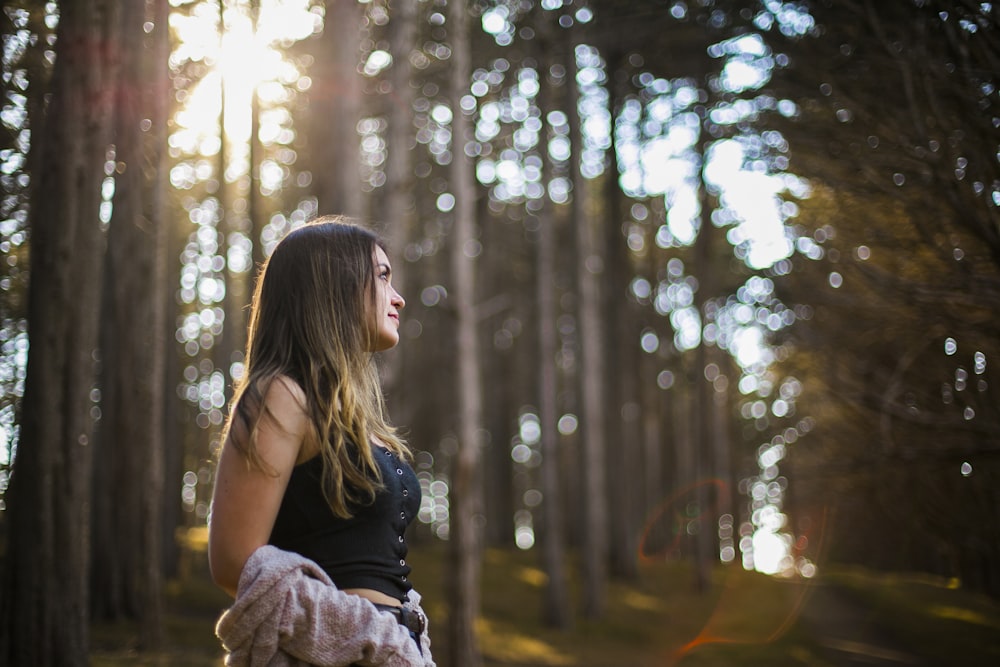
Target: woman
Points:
(313, 492)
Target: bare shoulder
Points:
(247, 497)
(288, 416)
(285, 402)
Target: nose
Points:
(397, 300)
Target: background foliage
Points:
(727, 272)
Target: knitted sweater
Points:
(288, 613)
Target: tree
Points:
(674, 59)
(556, 605)
(25, 73)
(335, 108)
(587, 257)
(466, 541)
(400, 205)
(45, 600)
(129, 476)
(902, 234)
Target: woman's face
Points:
(388, 303)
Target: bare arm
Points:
(246, 500)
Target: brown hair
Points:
(309, 321)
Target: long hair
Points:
(310, 321)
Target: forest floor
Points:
(841, 618)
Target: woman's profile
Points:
(313, 489)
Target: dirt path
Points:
(849, 634)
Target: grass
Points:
(192, 606)
(934, 616)
(744, 619)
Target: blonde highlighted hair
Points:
(310, 321)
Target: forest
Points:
(712, 283)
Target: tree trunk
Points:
(704, 551)
(594, 490)
(336, 110)
(556, 604)
(620, 357)
(176, 408)
(151, 630)
(45, 593)
(257, 208)
(400, 205)
(128, 484)
(505, 398)
(685, 446)
(654, 441)
(721, 439)
(227, 348)
(466, 506)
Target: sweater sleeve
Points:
(287, 608)
(425, 636)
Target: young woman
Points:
(313, 492)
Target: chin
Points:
(386, 343)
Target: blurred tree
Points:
(400, 205)
(25, 72)
(896, 127)
(335, 108)
(587, 260)
(676, 58)
(621, 346)
(236, 197)
(45, 597)
(556, 603)
(128, 491)
(466, 490)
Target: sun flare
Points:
(242, 60)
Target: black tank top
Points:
(369, 549)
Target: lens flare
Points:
(677, 521)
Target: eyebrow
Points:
(383, 265)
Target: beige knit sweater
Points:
(288, 613)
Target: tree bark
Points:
(336, 110)
(400, 205)
(465, 541)
(45, 594)
(128, 483)
(594, 491)
(556, 605)
(151, 629)
(620, 356)
(704, 553)
(227, 348)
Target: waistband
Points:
(410, 619)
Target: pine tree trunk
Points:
(400, 204)
(227, 347)
(466, 541)
(620, 359)
(45, 594)
(336, 110)
(128, 480)
(400, 209)
(151, 628)
(594, 489)
(556, 608)
(705, 551)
